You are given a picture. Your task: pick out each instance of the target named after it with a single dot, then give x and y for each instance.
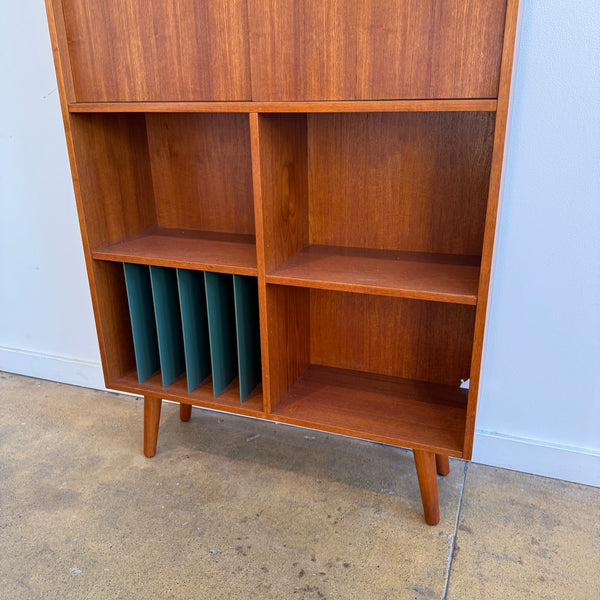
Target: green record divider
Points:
(143, 325)
(197, 323)
(192, 300)
(245, 290)
(168, 323)
(221, 328)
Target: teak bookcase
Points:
(288, 208)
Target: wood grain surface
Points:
(444, 278)
(127, 50)
(375, 49)
(413, 339)
(202, 171)
(409, 181)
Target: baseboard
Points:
(579, 465)
(53, 368)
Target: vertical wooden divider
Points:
(280, 171)
(260, 257)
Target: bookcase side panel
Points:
(493, 209)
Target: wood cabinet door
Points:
(375, 49)
(158, 50)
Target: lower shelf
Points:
(390, 410)
(401, 412)
(227, 401)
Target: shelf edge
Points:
(373, 290)
(174, 263)
(429, 105)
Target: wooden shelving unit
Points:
(286, 221)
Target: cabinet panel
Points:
(128, 50)
(375, 49)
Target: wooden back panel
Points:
(427, 341)
(202, 171)
(375, 49)
(404, 181)
(128, 50)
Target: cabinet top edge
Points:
(443, 105)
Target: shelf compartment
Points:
(188, 249)
(184, 177)
(402, 412)
(437, 277)
(405, 182)
(227, 401)
(196, 325)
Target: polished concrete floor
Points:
(235, 508)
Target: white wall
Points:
(540, 397)
(540, 394)
(46, 323)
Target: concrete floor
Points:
(234, 508)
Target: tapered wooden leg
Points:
(425, 463)
(442, 464)
(151, 421)
(185, 411)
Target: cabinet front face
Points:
(127, 50)
(375, 49)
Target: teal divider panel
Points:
(168, 323)
(221, 328)
(245, 291)
(192, 300)
(143, 325)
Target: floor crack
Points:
(453, 536)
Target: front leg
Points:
(152, 407)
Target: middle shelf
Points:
(418, 275)
(187, 249)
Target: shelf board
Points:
(391, 410)
(227, 401)
(186, 249)
(424, 105)
(437, 277)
